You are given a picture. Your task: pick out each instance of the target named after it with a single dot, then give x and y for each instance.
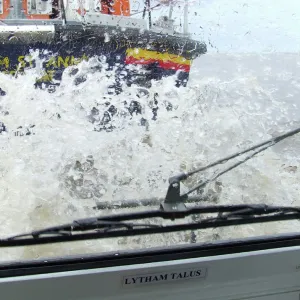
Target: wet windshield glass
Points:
(104, 101)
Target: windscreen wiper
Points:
(173, 207)
(113, 226)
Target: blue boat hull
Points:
(73, 44)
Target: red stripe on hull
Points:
(167, 65)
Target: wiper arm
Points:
(175, 201)
(117, 225)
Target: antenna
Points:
(171, 11)
(185, 18)
(147, 8)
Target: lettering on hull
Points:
(11, 66)
(157, 65)
(163, 277)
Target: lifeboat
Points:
(65, 32)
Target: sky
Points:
(243, 26)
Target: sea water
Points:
(231, 102)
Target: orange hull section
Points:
(6, 11)
(6, 8)
(119, 7)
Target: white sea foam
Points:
(231, 102)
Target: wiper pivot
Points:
(173, 201)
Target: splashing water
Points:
(62, 152)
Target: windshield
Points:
(100, 111)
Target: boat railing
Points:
(89, 12)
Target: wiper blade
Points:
(155, 201)
(117, 225)
(82, 225)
